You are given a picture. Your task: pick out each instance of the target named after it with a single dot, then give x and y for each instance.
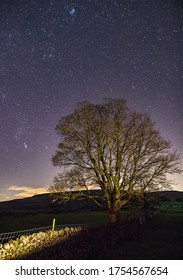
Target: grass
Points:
(22, 222)
(9, 224)
(159, 238)
(173, 206)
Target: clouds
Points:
(4, 197)
(23, 191)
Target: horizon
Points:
(35, 194)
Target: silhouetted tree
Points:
(107, 146)
(148, 199)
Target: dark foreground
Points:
(159, 238)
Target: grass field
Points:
(159, 238)
(22, 222)
(9, 224)
(173, 206)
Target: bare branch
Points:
(109, 147)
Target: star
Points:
(54, 54)
(25, 146)
(19, 133)
(72, 12)
(133, 86)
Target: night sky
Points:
(54, 54)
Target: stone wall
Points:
(25, 245)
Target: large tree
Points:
(109, 147)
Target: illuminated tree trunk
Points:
(114, 213)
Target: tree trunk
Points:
(145, 206)
(114, 216)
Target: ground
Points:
(158, 238)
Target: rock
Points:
(21, 245)
(6, 246)
(16, 243)
(25, 240)
(21, 238)
(25, 245)
(12, 246)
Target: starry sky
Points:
(54, 54)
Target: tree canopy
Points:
(107, 146)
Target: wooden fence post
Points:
(53, 227)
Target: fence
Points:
(5, 237)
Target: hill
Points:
(173, 195)
(43, 204)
